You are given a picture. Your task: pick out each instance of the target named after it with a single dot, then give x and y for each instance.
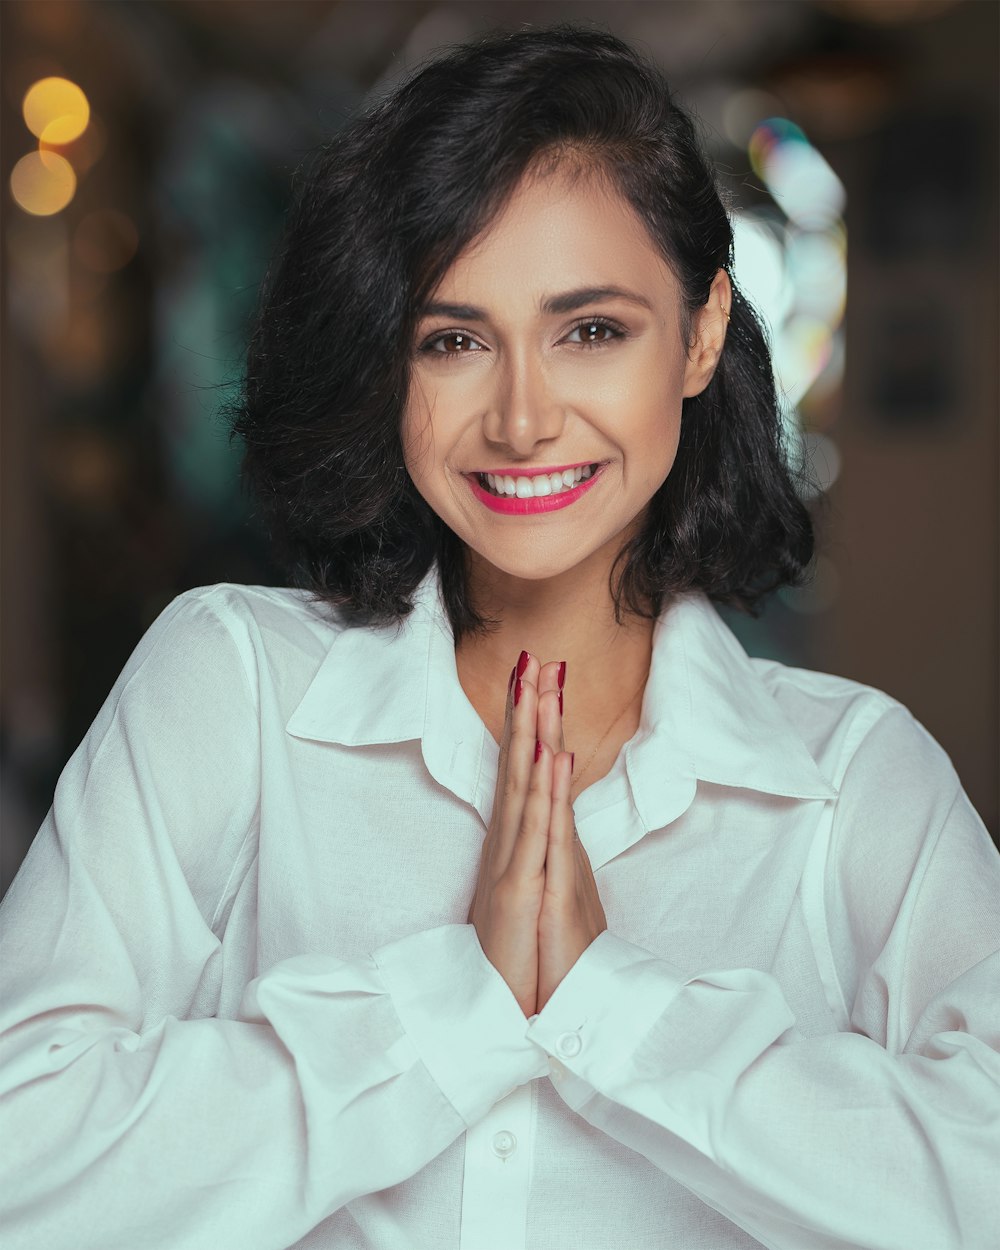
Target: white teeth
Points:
(540, 485)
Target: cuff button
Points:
(569, 1045)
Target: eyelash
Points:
(429, 346)
(617, 331)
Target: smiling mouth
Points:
(538, 486)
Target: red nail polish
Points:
(518, 691)
(538, 750)
(513, 673)
(522, 663)
(562, 674)
(560, 703)
(572, 761)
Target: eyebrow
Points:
(567, 301)
(570, 301)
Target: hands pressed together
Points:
(536, 908)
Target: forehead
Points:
(559, 231)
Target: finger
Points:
(550, 729)
(523, 660)
(560, 857)
(514, 780)
(519, 670)
(528, 855)
(494, 858)
(589, 893)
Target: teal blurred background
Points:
(857, 140)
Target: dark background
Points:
(124, 318)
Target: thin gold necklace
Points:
(576, 776)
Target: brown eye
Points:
(453, 344)
(594, 333)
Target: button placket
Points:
(504, 1144)
(498, 1175)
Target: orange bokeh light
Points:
(42, 183)
(56, 110)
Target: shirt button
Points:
(556, 1070)
(504, 1144)
(569, 1045)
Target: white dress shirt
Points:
(241, 1008)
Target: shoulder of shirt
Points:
(284, 632)
(900, 798)
(835, 716)
(281, 610)
(825, 690)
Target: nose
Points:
(524, 411)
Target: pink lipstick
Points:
(512, 505)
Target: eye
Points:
(595, 332)
(451, 343)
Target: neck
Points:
(568, 617)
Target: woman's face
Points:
(554, 344)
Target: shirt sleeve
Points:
(883, 1135)
(131, 1114)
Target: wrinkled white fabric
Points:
(241, 1008)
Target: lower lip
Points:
(511, 505)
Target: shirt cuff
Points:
(600, 1013)
(461, 1017)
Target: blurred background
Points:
(147, 154)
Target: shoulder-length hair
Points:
(381, 213)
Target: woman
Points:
(331, 939)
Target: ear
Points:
(708, 335)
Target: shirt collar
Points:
(706, 715)
(707, 705)
(390, 684)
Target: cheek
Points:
(655, 448)
(658, 411)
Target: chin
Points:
(537, 573)
(525, 566)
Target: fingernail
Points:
(538, 750)
(562, 673)
(518, 691)
(560, 703)
(572, 761)
(522, 663)
(513, 674)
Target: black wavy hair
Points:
(379, 215)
